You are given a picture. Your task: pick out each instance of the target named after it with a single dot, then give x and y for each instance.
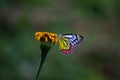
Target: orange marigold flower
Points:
(47, 36)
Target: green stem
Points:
(45, 47)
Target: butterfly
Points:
(67, 42)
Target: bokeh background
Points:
(96, 58)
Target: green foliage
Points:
(96, 58)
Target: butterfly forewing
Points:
(74, 38)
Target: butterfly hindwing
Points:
(65, 45)
(68, 42)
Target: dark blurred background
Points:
(96, 58)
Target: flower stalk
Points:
(46, 41)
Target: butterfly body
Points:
(68, 42)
